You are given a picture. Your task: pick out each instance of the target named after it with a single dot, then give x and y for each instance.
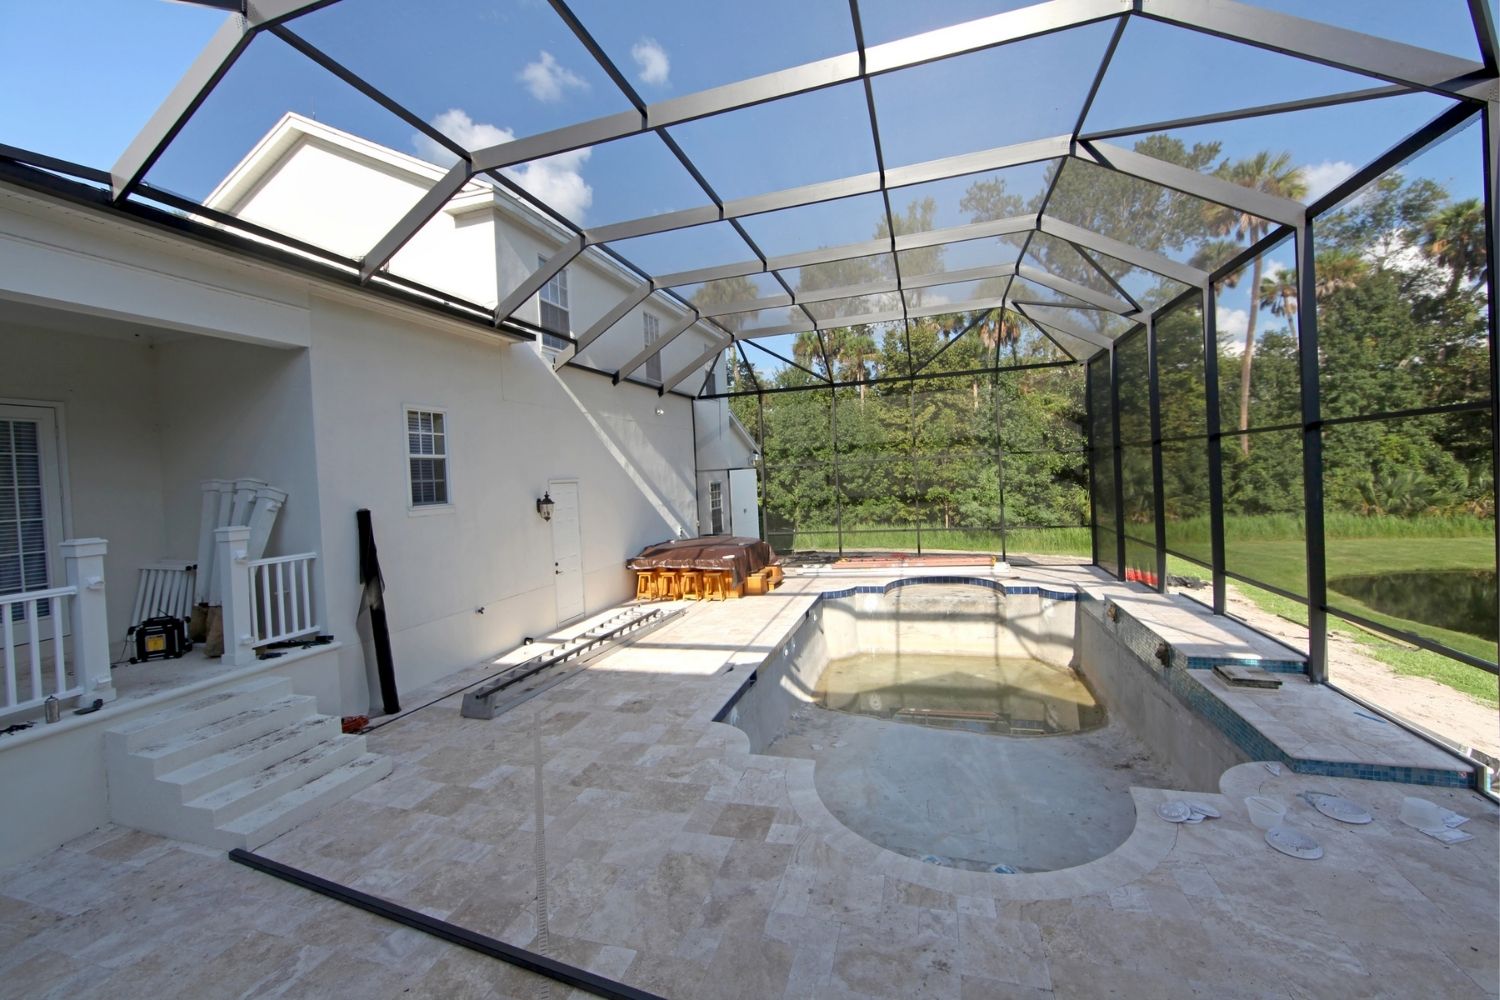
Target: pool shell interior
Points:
(972, 799)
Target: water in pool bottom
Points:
(1011, 696)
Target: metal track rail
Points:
(569, 975)
(495, 696)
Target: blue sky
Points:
(82, 77)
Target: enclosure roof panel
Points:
(777, 157)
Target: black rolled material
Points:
(569, 975)
(374, 599)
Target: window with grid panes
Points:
(555, 319)
(23, 537)
(653, 363)
(716, 508)
(427, 456)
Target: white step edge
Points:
(204, 775)
(295, 807)
(184, 748)
(134, 734)
(296, 771)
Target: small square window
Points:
(427, 457)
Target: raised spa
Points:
(948, 722)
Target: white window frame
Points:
(651, 327)
(446, 455)
(716, 506)
(555, 294)
(57, 516)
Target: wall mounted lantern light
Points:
(544, 506)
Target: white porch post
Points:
(234, 588)
(83, 561)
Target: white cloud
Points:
(1271, 266)
(557, 180)
(1322, 178)
(652, 59)
(456, 124)
(548, 79)
(1231, 325)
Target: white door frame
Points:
(556, 580)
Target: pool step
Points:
(1246, 677)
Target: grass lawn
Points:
(1035, 541)
(1281, 563)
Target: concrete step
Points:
(161, 726)
(245, 759)
(239, 726)
(301, 769)
(291, 808)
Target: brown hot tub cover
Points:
(739, 556)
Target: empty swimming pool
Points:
(947, 723)
(1009, 695)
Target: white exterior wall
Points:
(511, 427)
(112, 473)
(322, 414)
(232, 411)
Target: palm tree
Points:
(807, 351)
(1273, 174)
(1278, 293)
(1454, 239)
(1338, 271)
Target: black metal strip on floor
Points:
(568, 975)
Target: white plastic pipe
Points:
(208, 520)
(268, 501)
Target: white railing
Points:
(56, 641)
(281, 605)
(24, 614)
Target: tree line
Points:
(947, 423)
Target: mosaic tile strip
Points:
(1272, 666)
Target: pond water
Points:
(1459, 600)
(1012, 696)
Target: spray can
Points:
(52, 708)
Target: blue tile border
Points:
(972, 581)
(1273, 666)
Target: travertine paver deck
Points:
(679, 862)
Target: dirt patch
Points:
(1433, 706)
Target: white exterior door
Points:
(567, 549)
(744, 503)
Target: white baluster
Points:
(306, 593)
(59, 659)
(34, 637)
(10, 655)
